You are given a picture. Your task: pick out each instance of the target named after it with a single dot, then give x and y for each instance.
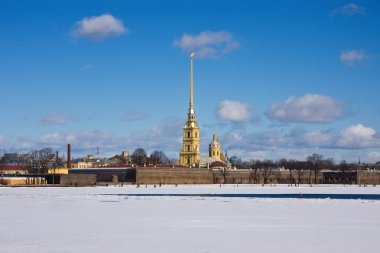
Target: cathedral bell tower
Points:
(214, 149)
(189, 153)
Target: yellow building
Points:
(58, 171)
(189, 153)
(22, 180)
(215, 151)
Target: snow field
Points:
(96, 219)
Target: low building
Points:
(127, 175)
(13, 170)
(22, 180)
(58, 171)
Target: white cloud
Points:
(166, 136)
(352, 137)
(349, 10)
(57, 138)
(310, 108)
(350, 58)
(82, 142)
(14, 144)
(351, 143)
(234, 111)
(358, 136)
(374, 156)
(318, 138)
(208, 44)
(134, 116)
(23, 144)
(54, 119)
(98, 27)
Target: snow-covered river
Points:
(107, 219)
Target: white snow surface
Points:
(102, 219)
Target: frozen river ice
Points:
(103, 219)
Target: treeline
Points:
(263, 170)
(38, 162)
(140, 157)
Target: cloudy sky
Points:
(274, 79)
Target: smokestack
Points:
(68, 156)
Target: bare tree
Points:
(224, 172)
(39, 161)
(315, 162)
(139, 156)
(255, 166)
(158, 157)
(277, 175)
(300, 168)
(2, 152)
(289, 165)
(345, 170)
(267, 167)
(173, 161)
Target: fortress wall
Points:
(173, 176)
(273, 177)
(78, 180)
(204, 176)
(369, 177)
(232, 177)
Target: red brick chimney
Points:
(68, 156)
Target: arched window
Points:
(188, 134)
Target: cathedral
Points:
(190, 151)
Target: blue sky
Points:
(274, 79)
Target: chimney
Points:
(68, 156)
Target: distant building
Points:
(215, 158)
(90, 161)
(13, 159)
(124, 159)
(125, 154)
(13, 170)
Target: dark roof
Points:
(12, 167)
(217, 164)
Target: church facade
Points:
(189, 154)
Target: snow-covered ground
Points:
(102, 219)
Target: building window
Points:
(213, 152)
(188, 161)
(188, 134)
(188, 147)
(196, 135)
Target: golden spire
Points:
(191, 114)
